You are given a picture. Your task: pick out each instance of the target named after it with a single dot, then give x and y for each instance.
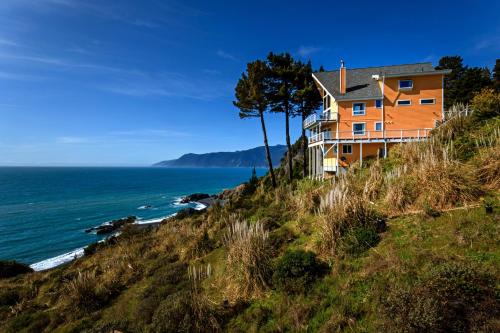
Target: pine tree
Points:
(496, 76)
(251, 94)
(463, 82)
(309, 100)
(283, 73)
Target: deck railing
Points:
(327, 116)
(393, 135)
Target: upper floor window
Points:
(378, 126)
(378, 104)
(358, 109)
(358, 128)
(346, 149)
(326, 102)
(403, 102)
(405, 84)
(427, 101)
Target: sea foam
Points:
(56, 261)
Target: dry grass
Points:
(248, 259)
(343, 209)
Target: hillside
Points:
(243, 158)
(404, 244)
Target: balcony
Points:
(315, 119)
(400, 135)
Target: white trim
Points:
(405, 88)
(357, 123)
(364, 109)
(381, 126)
(442, 98)
(346, 145)
(322, 86)
(403, 100)
(424, 99)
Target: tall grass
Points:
(248, 259)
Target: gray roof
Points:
(361, 85)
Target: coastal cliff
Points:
(401, 243)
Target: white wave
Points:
(56, 261)
(177, 202)
(144, 207)
(200, 206)
(155, 220)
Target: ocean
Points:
(45, 211)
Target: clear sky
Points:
(95, 82)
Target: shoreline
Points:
(67, 257)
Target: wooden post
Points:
(361, 153)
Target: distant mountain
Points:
(243, 158)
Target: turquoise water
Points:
(44, 211)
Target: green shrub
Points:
(452, 297)
(29, 323)
(9, 297)
(486, 105)
(296, 270)
(12, 268)
(183, 312)
(359, 240)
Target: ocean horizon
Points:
(44, 211)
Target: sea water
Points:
(44, 212)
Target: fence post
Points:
(401, 135)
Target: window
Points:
(358, 109)
(427, 101)
(346, 149)
(326, 102)
(378, 126)
(405, 84)
(358, 128)
(378, 104)
(403, 102)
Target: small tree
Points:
(496, 76)
(309, 100)
(251, 94)
(283, 79)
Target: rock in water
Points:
(194, 197)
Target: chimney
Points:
(343, 78)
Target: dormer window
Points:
(326, 102)
(405, 84)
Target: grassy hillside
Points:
(406, 244)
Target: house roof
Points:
(361, 85)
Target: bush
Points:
(486, 105)
(12, 268)
(180, 312)
(359, 240)
(9, 297)
(295, 271)
(452, 297)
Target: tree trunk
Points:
(290, 166)
(304, 147)
(268, 153)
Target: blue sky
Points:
(134, 82)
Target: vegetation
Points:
(12, 268)
(403, 244)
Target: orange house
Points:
(366, 110)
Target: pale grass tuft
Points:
(248, 259)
